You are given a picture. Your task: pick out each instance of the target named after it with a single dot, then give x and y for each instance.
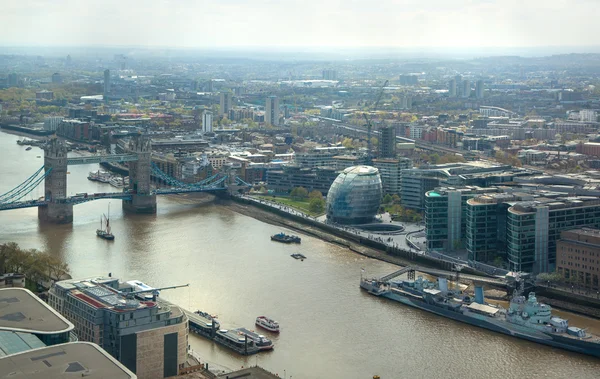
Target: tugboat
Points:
(282, 237)
(104, 232)
(267, 324)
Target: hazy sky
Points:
(316, 23)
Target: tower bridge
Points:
(56, 207)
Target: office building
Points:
(534, 227)
(479, 88)
(288, 177)
(452, 88)
(12, 80)
(387, 142)
(354, 196)
(417, 181)
(466, 88)
(578, 257)
(485, 236)
(56, 78)
(106, 82)
(445, 216)
(149, 337)
(76, 359)
(207, 121)
(272, 111)
(390, 170)
(225, 103)
(320, 156)
(329, 74)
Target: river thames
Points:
(329, 327)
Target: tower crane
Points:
(154, 291)
(368, 120)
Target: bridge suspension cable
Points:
(25, 188)
(26, 182)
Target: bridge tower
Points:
(57, 211)
(142, 201)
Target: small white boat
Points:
(267, 324)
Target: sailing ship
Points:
(104, 231)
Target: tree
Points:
(387, 199)
(316, 205)
(315, 195)
(299, 193)
(395, 199)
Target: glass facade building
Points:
(446, 216)
(354, 196)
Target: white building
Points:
(588, 115)
(207, 121)
(51, 123)
(416, 131)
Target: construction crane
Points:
(154, 291)
(368, 120)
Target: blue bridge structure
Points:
(140, 197)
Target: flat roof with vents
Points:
(22, 311)
(70, 360)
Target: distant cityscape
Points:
(494, 162)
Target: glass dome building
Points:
(354, 196)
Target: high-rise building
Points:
(387, 142)
(406, 102)
(272, 111)
(225, 104)
(466, 88)
(106, 82)
(207, 121)
(390, 170)
(56, 78)
(329, 74)
(13, 80)
(479, 88)
(149, 337)
(452, 88)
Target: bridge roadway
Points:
(444, 273)
(83, 198)
(102, 159)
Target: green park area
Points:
(312, 203)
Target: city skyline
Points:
(463, 24)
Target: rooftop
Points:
(101, 293)
(15, 342)
(251, 372)
(64, 361)
(361, 170)
(22, 311)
